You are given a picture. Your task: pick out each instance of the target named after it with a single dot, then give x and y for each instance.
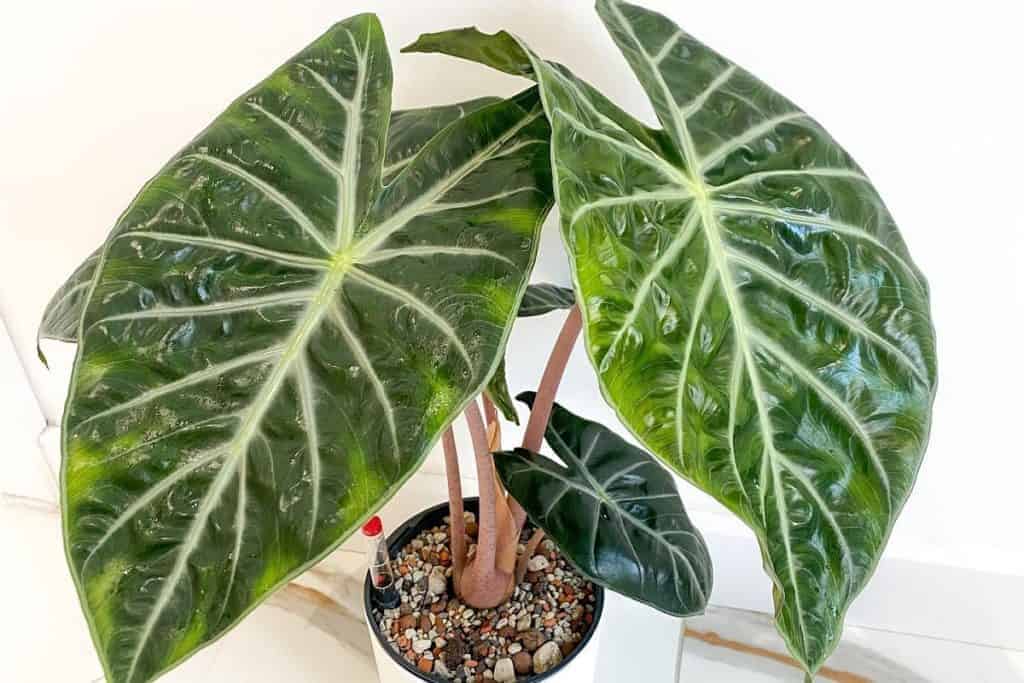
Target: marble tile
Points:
(735, 645)
(312, 630)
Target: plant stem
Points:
(456, 511)
(490, 413)
(487, 528)
(545, 399)
(540, 413)
(524, 559)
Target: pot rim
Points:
(402, 536)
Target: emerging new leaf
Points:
(750, 307)
(274, 340)
(613, 511)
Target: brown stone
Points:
(472, 664)
(438, 606)
(522, 662)
(531, 640)
(425, 665)
(486, 628)
(403, 642)
(533, 577)
(567, 646)
(471, 529)
(444, 557)
(550, 622)
(481, 650)
(508, 632)
(406, 621)
(425, 624)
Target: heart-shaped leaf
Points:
(614, 512)
(751, 310)
(408, 131)
(274, 340)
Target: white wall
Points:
(96, 96)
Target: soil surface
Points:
(543, 621)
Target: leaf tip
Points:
(526, 397)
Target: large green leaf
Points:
(408, 131)
(274, 340)
(614, 511)
(751, 310)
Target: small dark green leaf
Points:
(63, 313)
(504, 52)
(614, 512)
(497, 390)
(497, 50)
(544, 298)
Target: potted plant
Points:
(296, 308)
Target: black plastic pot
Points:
(401, 537)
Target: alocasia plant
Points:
(274, 338)
(750, 308)
(298, 305)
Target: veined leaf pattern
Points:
(614, 511)
(408, 131)
(64, 310)
(543, 298)
(274, 339)
(750, 307)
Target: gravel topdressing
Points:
(543, 621)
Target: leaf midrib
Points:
(342, 261)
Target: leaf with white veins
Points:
(750, 307)
(274, 340)
(613, 511)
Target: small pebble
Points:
(537, 563)
(546, 657)
(546, 617)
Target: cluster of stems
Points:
(488, 577)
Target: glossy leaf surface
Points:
(497, 391)
(751, 310)
(275, 339)
(614, 511)
(408, 131)
(64, 311)
(544, 298)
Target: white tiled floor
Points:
(310, 630)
